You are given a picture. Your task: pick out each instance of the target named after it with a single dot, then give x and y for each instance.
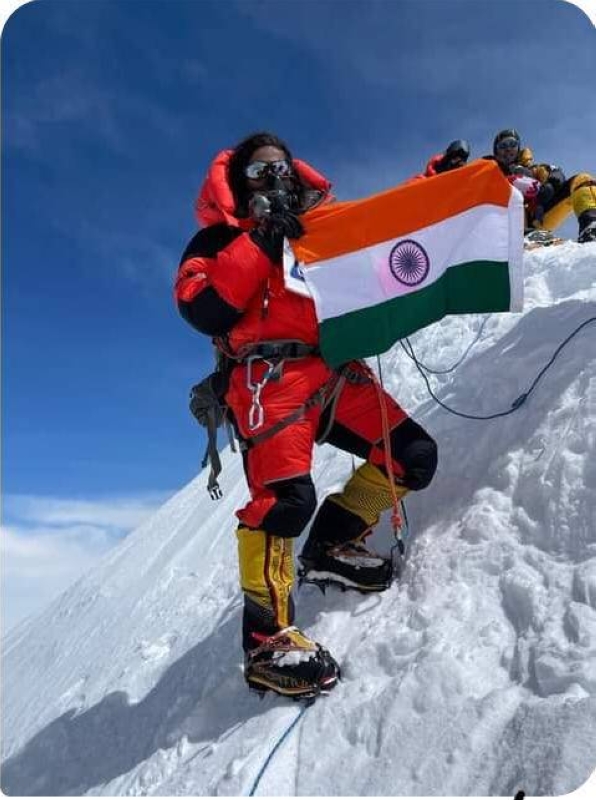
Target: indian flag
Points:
(381, 268)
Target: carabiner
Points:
(256, 413)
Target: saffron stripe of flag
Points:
(381, 268)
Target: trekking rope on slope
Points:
(518, 402)
(275, 748)
(460, 360)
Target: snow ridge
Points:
(474, 675)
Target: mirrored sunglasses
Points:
(508, 144)
(257, 170)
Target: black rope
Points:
(380, 368)
(519, 401)
(431, 371)
(406, 520)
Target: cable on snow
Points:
(276, 747)
(517, 403)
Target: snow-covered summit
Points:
(475, 675)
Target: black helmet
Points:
(508, 133)
(456, 155)
(457, 149)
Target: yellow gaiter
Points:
(267, 571)
(583, 193)
(367, 494)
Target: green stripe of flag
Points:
(476, 287)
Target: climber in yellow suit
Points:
(549, 196)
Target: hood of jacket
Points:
(215, 202)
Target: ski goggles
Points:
(257, 170)
(507, 144)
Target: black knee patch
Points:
(296, 503)
(416, 451)
(420, 462)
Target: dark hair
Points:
(241, 158)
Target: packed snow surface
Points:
(474, 675)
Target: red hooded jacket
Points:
(226, 285)
(430, 170)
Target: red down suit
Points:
(229, 289)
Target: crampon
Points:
(292, 665)
(347, 566)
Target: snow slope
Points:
(475, 675)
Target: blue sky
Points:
(111, 113)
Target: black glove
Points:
(269, 236)
(546, 194)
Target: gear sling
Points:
(209, 407)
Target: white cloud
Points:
(51, 542)
(123, 513)
(63, 98)
(80, 102)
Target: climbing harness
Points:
(208, 404)
(323, 396)
(273, 354)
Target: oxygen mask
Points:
(276, 197)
